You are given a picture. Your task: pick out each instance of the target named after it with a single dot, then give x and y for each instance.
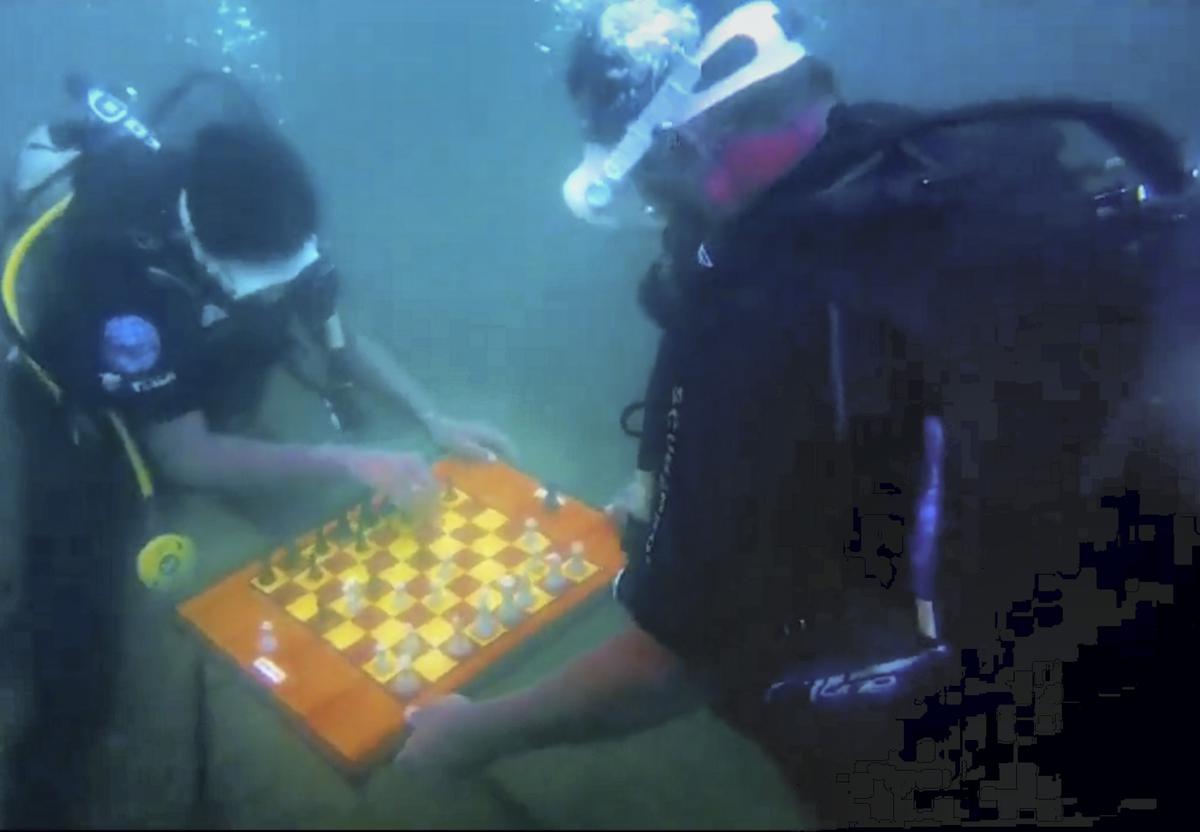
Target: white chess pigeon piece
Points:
(267, 642)
(555, 580)
(485, 623)
(509, 613)
(407, 682)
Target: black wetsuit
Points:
(803, 345)
(116, 254)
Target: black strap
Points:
(1145, 145)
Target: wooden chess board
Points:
(333, 661)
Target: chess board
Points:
(328, 623)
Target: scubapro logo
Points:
(664, 475)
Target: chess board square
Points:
(489, 519)
(311, 584)
(417, 615)
(304, 607)
(438, 603)
(380, 562)
(540, 599)
(385, 673)
(466, 559)
(288, 593)
(436, 631)
(389, 633)
(487, 571)
(433, 665)
(532, 543)
(394, 604)
(464, 586)
(452, 520)
(463, 611)
(325, 620)
(370, 618)
(344, 635)
(419, 586)
(378, 588)
(361, 651)
(469, 508)
(511, 530)
(422, 560)
(467, 534)
(383, 536)
(587, 570)
(488, 545)
(403, 548)
(445, 571)
(511, 557)
(330, 592)
(401, 573)
(445, 546)
(424, 534)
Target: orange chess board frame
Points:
(324, 679)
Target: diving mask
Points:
(241, 278)
(591, 189)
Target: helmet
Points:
(641, 66)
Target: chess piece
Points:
(407, 681)
(485, 623)
(523, 597)
(314, 568)
(321, 547)
(266, 575)
(436, 597)
(555, 580)
(383, 660)
(575, 565)
(552, 502)
(354, 596)
(360, 538)
(531, 534)
(342, 530)
(411, 643)
(459, 645)
(267, 642)
(509, 613)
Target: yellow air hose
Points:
(167, 556)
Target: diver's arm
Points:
(188, 453)
(377, 370)
(626, 685)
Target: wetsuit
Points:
(122, 322)
(804, 346)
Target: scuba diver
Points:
(877, 406)
(150, 286)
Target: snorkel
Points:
(651, 33)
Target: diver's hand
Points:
(402, 477)
(447, 736)
(633, 500)
(471, 440)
